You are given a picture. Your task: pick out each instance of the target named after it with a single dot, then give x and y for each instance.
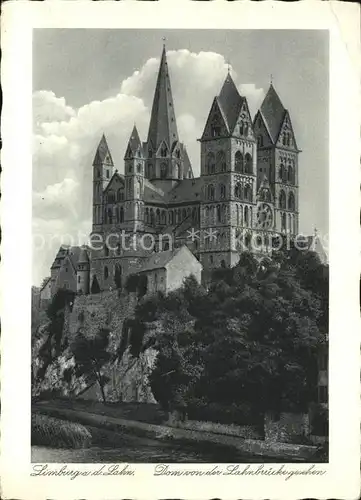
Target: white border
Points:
(342, 21)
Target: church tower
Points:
(228, 171)
(134, 165)
(103, 169)
(165, 155)
(277, 160)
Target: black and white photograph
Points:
(180, 210)
(180, 314)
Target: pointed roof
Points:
(163, 125)
(273, 113)
(134, 143)
(83, 256)
(102, 152)
(230, 102)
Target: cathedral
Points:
(245, 197)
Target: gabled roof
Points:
(116, 175)
(273, 113)
(83, 256)
(134, 144)
(102, 152)
(159, 260)
(163, 126)
(230, 101)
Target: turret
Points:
(83, 272)
(103, 169)
(134, 165)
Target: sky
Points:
(87, 82)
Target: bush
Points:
(319, 421)
(49, 431)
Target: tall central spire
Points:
(163, 126)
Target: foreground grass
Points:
(49, 431)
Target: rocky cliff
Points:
(54, 368)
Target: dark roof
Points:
(230, 102)
(102, 152)
(162, 126)
(83, 256)
(152, 194)
(158, 260)
(273, 113)
(186, 190)
(134, 144)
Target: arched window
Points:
(130, 168)
(238, 162)
(206, 213)
(237, 212)
(150, 153)
(117, 214)
(139, 168)
(289, 223)
(246, 216)
(179, 216)
(163, 171)
(249, 166)
(171, 217)
(150, 170)
(163, 152)
(221, 161)
(241, 128)
(260, 141)
(237, 191)
(105, 216)
(147, 215)
(120, 195)
(246, 130)
(176, 171)
(184, 213)
(247, 192)
(121, 214)
(110, 216)
(194, 215)
(211, 192)
(284, 139)
(250, 216)
(291, 174)
(283, 222)
(282, 172)
(106, 272)
(288, 139)
(222, 191)
(163, 218)
(106, 250)
(119, 249)
(219, 217)
(282, 202)
(210, 163)
(291, 202)
(157, 216)
(152, 217)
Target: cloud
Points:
(65, 139)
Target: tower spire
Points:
(163, 126)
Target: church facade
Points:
(245, 197)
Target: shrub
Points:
(49, 431)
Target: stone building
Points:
(246, 194)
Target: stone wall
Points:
(128, 376)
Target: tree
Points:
(252, 338)
(90, 354)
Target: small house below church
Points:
(166, 271)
